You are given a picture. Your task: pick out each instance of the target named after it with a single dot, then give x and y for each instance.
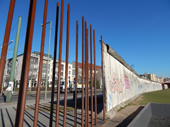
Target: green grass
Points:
(162, 96)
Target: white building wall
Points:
(19, 68)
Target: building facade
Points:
(98, 68)
(34, 69)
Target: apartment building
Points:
(98, 68)
(34, 69)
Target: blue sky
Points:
(138, 30)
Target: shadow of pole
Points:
(9, 118)
(24, 120)
(2, 119)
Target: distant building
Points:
(34, 69)
(80, 70)
(160, 79)
(166, 79)
(145, 76)
(153, 77)
(150, 77)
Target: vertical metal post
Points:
(25, 66)
(11, 79)
(66, 70)
(94, 38)
(87, 79)
(54, 67)
(48, 62)
(6, 40)
(59, 66)
(40, 66)
(86, 83)
(103, 85)
(82, 110)
(91, 75)
(75, 107)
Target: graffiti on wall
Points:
(116, 83)
(110, 101)
(121, 83)
(127, 82)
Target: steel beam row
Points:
(86, 67)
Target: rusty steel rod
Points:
(59, 66)
(86, 84)
(82, 110)
(66, 70)
(94, 39)
(91, 71)
(75, 107)
(54, 66)
(40, 66)
(103, 81)
(25, 66)
(87, 79)
(6, 40)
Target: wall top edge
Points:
(114, 54)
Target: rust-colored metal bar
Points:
(87, 79)
(40, 66)
(59, 66)
(95, 94)
(25, 66)
(103, 85)
(86, 84)
(91, 71)
(54, 66)
(82, 110)
(66, 70)
(6, 40)
(75, 107)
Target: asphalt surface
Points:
(32, 96)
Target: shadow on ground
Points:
(129, 119)
(7, 115)
(71, 103)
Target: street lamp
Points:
(48, 59)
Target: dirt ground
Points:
(125, 115)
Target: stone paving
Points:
(8, 112)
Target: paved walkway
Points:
(8, 112)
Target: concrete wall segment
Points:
(121, 82)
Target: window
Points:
(73, 72)
(62, 66)
(57, 65)
(69, 67)
(44, 69)
(69, 72)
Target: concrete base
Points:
(111, 113)
(151, 109)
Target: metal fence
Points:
(26, 63)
